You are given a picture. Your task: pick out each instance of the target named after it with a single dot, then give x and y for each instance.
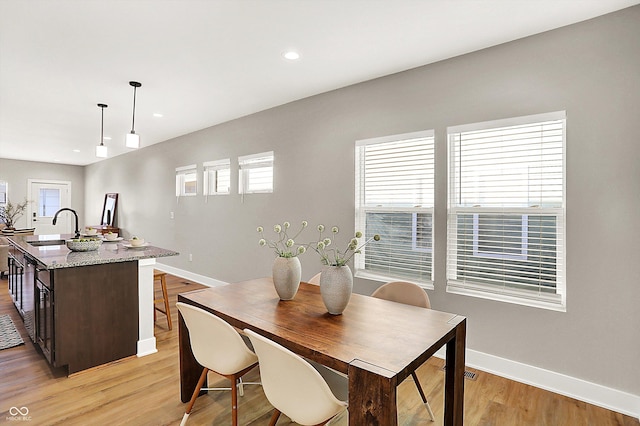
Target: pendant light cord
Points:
(102, 107)
(135, 86)
(102, 127)
(133, 119)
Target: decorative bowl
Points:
(90, 231)
(83, 244)
(136, 242)
(111, 236)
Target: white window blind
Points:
(256, 173)
(394, 198)
(506, 230)
(186, 181)
(217, 177)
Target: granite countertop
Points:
(59, 256)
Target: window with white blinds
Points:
(394, 198)
(186, 181)
(217, 177)
(255, 173)
(506, 234)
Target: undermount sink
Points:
(47, 243)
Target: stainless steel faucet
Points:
(55, 218)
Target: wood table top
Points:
(388, 338)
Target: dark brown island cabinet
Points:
(80, 309)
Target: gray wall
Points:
(17, 173)
(590, 70)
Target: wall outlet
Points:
(190, 257)
(170, 215)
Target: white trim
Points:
(397, 138)
(553, 302)
(146, 339)
(267, 155)
(216, 163)
(508, 122)
(200, 279)
(591, 393)
(183, 169)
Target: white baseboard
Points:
(200, 279)
(146, 347)
(592, 393)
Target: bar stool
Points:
(160, 276)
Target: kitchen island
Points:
(84, 309)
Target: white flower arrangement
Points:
(335, 256)
(284, 244)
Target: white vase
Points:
(286, 273)
(336, 285)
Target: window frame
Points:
(362, 209)
(539, 299)
(214, 168)
(181, 181)
(246, 163)
(4, 193)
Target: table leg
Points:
(372, 396)
(190, 369)
(454, 377)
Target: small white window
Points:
(256, 173)
(217, 177)
(3, 192)
(186, 181)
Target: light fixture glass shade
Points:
(101, 151)
(132, 140)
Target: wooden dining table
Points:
(377, 343)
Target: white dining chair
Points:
(293, 386)
(409, 294)
(315, 279)
(218, 347)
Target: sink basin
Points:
(47, 243)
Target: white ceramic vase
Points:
(336, 285)
(286, 273)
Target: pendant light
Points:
(133, 139)
(101, 150)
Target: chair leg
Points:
(421, 392)
(240, 386)
(201, 380)
(274, 417)
(234, 402)
(167, 310)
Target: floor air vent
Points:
(470, 375)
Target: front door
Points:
(47, 198)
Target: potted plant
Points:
(336, 280)
(286, 270)
(10, 213)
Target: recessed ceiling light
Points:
(291, 55)
(76, 150)
(157, 114)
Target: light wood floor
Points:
(145, 391)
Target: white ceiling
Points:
(206, 62)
